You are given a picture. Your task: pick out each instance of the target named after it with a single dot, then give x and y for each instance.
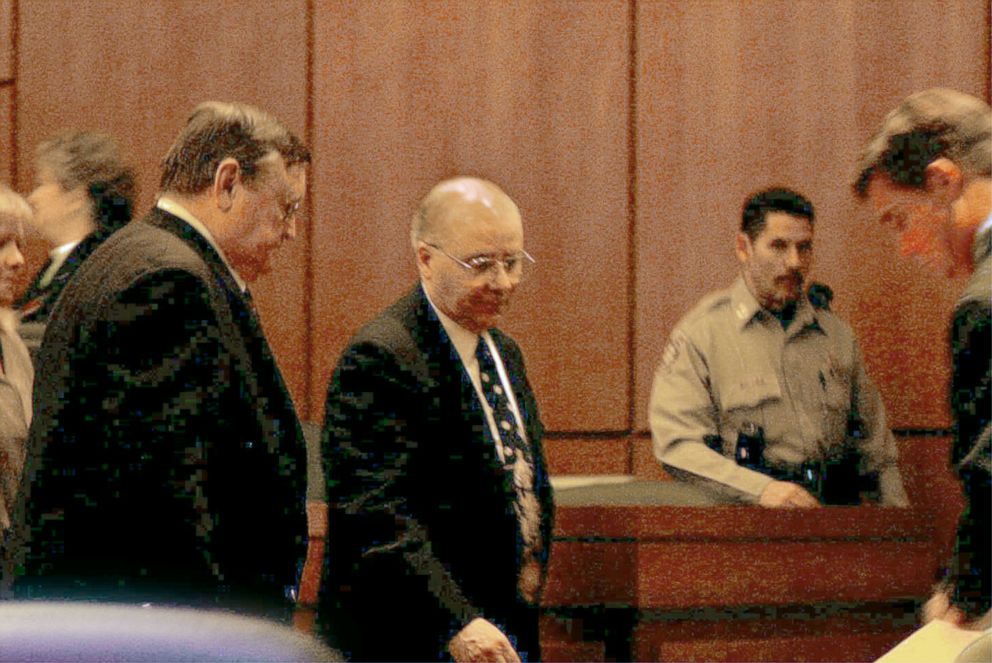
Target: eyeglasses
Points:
(487, 266)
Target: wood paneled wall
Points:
(135, 69)
(734, 97)
(629, 132)
(6, 91)
(530, 95)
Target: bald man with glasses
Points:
(440, 505)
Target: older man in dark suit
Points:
(440, 506)
(165, 461)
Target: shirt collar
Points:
(61, 251)
(169, 205)
(465, 341)
(743, 303)
(57, 258)
(746, 308)
(982, 245)
(986, 225)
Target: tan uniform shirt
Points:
(729, 362)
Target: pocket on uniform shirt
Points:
(750, 393)
(747, 402)
(836, 392)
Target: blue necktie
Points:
(499, 403)
(518, 460)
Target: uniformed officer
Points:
(758, 359)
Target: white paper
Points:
(937, 642)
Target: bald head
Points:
(469, 242)
(454, 204)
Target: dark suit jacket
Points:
(37, 301)
(422, 534)
(165, 460)
(971, 405)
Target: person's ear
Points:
(424, 259)
(227, 180)
(943, 178)
(743, 247)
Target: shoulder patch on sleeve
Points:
(673, 349)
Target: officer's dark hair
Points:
(777, 199)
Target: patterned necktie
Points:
(518, 459)
(250, 307)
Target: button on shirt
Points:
(729, 362)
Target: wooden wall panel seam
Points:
(988, 52)
(309, 291)
(631, 217)
(15, 66)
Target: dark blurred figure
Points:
(84, 193)
(927, 174)
(16, 374)
(166, 463)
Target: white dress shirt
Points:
(56, 258)
(169, 205)
(466, 343)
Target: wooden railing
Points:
(633, 575)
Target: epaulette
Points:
(820, 295)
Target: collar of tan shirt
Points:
(746, 308)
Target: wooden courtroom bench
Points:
(646, 570)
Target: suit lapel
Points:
(241, 307)
(445, 367)
(198, 243)
(259, 368)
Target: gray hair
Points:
(926, 126)
(219, 130)
(13, 206)
(92, 161)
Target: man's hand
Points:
(481, 641)
(786, 495)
